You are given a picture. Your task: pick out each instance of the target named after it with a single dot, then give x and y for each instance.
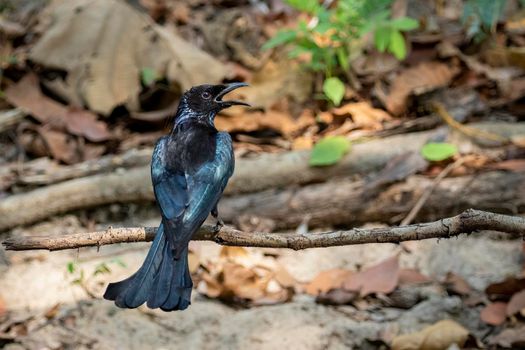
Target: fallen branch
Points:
(251, 175)
(351, 203)
(469, 221)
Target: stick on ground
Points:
(469, 221)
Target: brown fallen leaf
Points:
(284, 278)
(232, 253)
(104, 66)
(363, 114)
(456, 284)
(510, 338)
(422, 78)
(276, 80)
(516, 303)
(282, 122)
(193, 261)
(27, 96)
(412, 276)
(245, 277)
(439, 336)
(494, 314)
(83, 123)
(381, 278)
(302, 143)
(58, 145)
(506, 288)
(328, 280)
(52, 311)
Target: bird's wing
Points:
(169, 185)
(186, 199)
(207, 184)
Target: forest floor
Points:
(80, 113)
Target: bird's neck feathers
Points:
(186, 116)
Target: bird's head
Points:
(203, 102)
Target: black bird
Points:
(190, 169)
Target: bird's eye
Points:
(206, 95)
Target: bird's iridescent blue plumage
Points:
(190, 169)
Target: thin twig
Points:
(426, 195)
(467, 222)
(466, 130)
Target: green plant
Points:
(79, 275)
(481, 16)
(333, 35)
(329, 150)
(438, 151)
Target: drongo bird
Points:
(190, 168)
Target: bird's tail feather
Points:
(161, 281)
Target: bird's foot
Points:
(218, 226)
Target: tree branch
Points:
(467, 222)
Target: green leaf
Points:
(282, 37)
(148, 76)
(309, 6)
(342, 58)
(101, 269)
(438, 151)
(71, 267)
(334, 89)
(381, 38)
(397, 45)
(404, 23)
(329, 150)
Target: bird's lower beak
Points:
(228, 88)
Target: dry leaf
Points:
(507, 288)
(104, 66)
(327, 280)
(457, 284)
(282, 122)
(242, 276)
(381, 278)
(284, 278)
(422, 78)
(83, 123)
(27, 96)
(363, 114)
(231, 253)
(302, 143)
(510, 338)
(276, 80)
(516, 303)
(439, 336)
(58, 145)
(412, 276)
(193, 261)
(494, 314)
(52, 312)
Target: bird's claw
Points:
(218, 226)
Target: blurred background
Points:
(364, 114)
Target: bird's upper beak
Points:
(228, 88)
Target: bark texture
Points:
(467, 222)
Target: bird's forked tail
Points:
(161, 281)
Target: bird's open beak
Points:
(228, 88)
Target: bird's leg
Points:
(220, 223)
